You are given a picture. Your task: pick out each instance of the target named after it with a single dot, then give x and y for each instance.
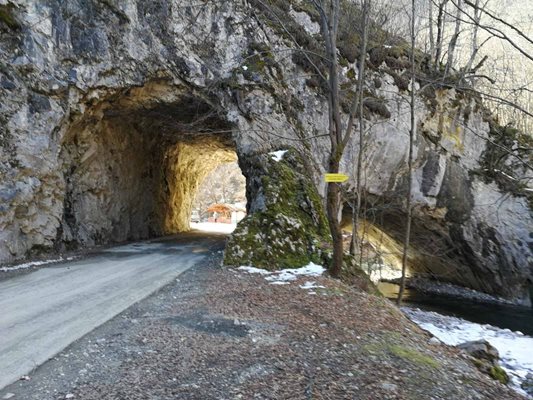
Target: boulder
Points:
(481, 349)
(485, 357)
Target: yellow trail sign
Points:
(336, 178)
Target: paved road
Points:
(43, 312)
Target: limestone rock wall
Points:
(111, 111)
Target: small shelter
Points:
(226, 213)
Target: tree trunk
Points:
(453, 42)
(475, 44)
(333, 204)
(354, 245)
(431, 33)
(440, 33)
(412, 134)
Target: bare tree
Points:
(431, 32)
(339, 133)
(453, 41)
(441, 16)
(356, 209)
(412, 136)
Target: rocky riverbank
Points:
(515, 349)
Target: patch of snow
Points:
(285, 276)
(253, 270)
(35, 264)
(516, 349)
(213, 227)
(278, 155)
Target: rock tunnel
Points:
(133, 161)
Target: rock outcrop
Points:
(287, 226)
(113, 111)
(486, 359)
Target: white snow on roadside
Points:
(253, 270)
(278, 155)
(213, 227)
(285, 276)
(35, 264)
(516, 349)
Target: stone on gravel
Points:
(391, 387)
(434, 341)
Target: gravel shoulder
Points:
(217, 333)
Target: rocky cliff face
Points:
(113, 111)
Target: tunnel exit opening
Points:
(220, 202)
(134, 161)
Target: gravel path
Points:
(225, 334)
(45, 310)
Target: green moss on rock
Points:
(498, 373)
(289, 229)
(7, 17)
(494, 371)
(414, 356)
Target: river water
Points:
(504, 316)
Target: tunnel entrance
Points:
(134, 160)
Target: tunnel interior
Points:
(134, 160)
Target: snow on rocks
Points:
(278, 155)
(35, 264)
(285, 276)
(515, 349)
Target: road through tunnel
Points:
(133, 162)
